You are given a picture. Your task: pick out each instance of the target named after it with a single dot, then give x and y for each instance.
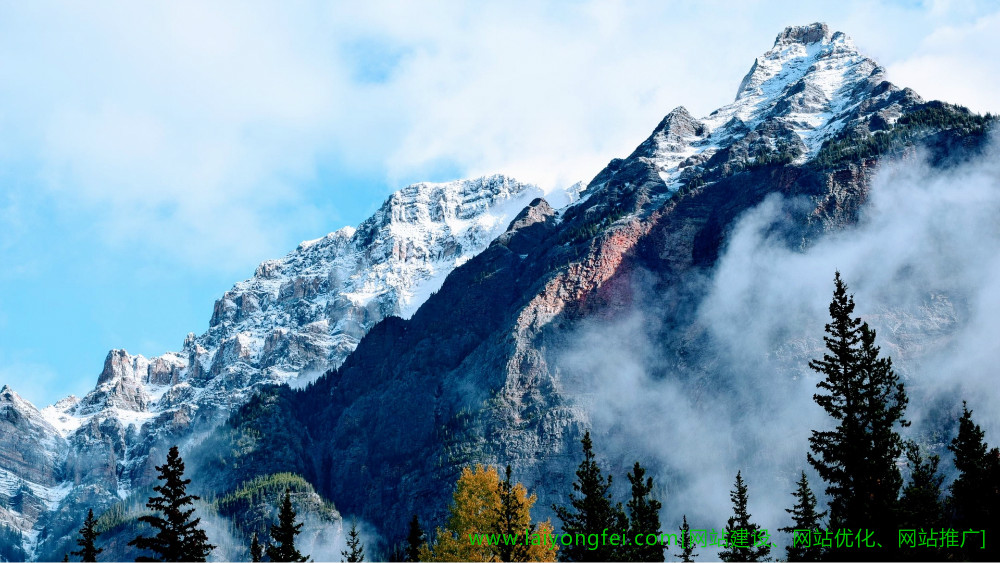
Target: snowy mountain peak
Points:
(807, 88)
(805, 34)
(806, 55)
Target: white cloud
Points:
(957, 64)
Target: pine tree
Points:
(920, 506)
(88, 552)
(508, 521)
(975, 493)
(256, 550)
(744, 540)
(863, 393)
(804, 517)
(592, 511)
(687, 553)
(282, 544)
(355, 549)
(644, 517)
(178, 537)
(414, 540)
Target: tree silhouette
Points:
(355, 549)
(644, 517)
(975, 493)
(743, 539)
(256, 550)
(414, 539)
(178, 536)
(88, 552)
(687, 553)
(804, 517)
(863, 394)
(282, 545)
(591, 511)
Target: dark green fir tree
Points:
(591, 511)
(178, 537)
(863, 394)
(744, 540)
(975, 493)
(920, 506)
(687, 553)
(508, 521)
(804, 517)
(282, 544)
(355, 549)
(644, 517)
(88, 551)
(414, 539)
(256, 550)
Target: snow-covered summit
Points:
(302, 314)
(804, 90)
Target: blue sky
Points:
(152, 154)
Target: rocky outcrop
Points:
(29, 445)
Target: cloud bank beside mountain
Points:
(923, 263)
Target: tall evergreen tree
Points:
(644, 517)
(804, 517)
(862, 392)
(282, 544)
(591, 511)
(355, 549)
(687, 553)
(920, 506)
(88, 551)
(744, 540)
(256, 550)
(509, 521)
(414, 539)
(975, 493)
(178, 536)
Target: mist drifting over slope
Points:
(923, 263)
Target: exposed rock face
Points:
(120, 384)
(31, 460)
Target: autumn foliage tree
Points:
(485, 507)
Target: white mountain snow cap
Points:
(799, 93)
(805, 51)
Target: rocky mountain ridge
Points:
(295, 318)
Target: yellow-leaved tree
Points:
(490, 520)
